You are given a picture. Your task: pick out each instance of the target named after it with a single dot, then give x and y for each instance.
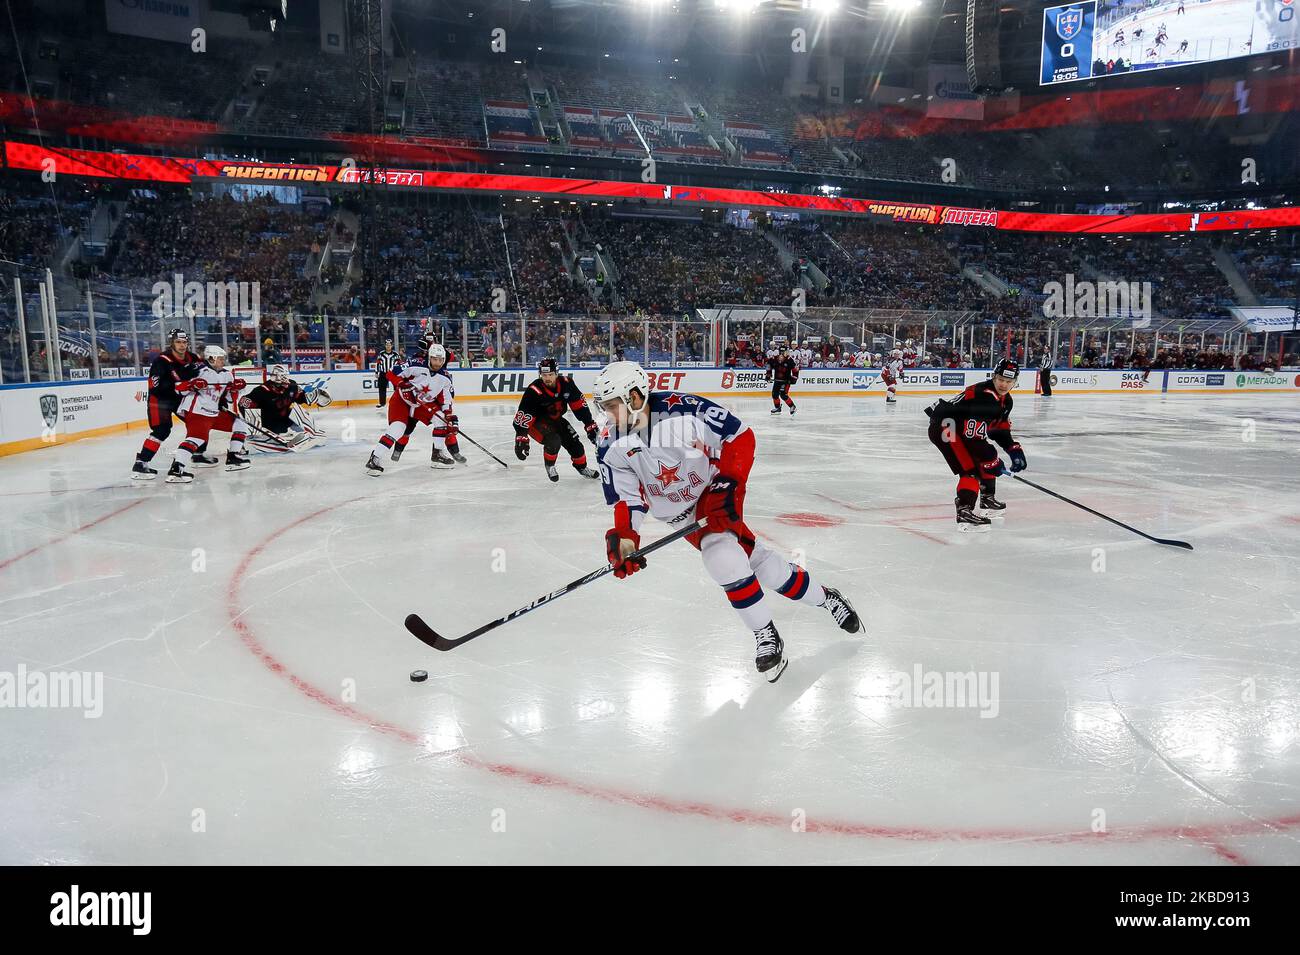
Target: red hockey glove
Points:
(719, 505)
(453, 424)
(521, 447)
(592, 430)
(620, 541)
(238, 385)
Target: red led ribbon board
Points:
(102, 165)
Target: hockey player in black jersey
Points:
(169, 378)
(540, 418)
(782, 371)
(270, 407)
(961, 429)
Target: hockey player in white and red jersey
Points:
(207, 404)
(681, 457)
(910, 355)
(891, 373)
(422, 394)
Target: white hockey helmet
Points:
(437, 351)
(278, 374)
(910, 342)
(214, 351)
(618, 380)
(896, 353)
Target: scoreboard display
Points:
(1068, 42)
(1091, 39)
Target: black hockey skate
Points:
(966, 516)
(142, 472)
(236, 461)
(200, 460)
(178, 475)
(440, 459)
(991, 503)
(587, 472)
(460, 458)
(769, 653)
(373, 467)
(841, 610)
(793, 408)
(397, 453)
(776, 410)
(551, 473)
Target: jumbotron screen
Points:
(1098, 38)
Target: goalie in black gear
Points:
(540, 418)
(276, 411)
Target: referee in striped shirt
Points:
(385, 362)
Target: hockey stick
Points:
(427, 635)
(268, 434)
(1062, 497)
(473, 442)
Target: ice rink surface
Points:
(1143, 702)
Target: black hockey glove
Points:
(1018, 462)
(521, 447)
(992, 469)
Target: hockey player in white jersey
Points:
(891, 374)
(207, 404)
(422, 394)
(681, 457)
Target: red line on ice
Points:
(84, 527)
(1233, 857)
(1207, 833)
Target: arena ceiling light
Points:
(821, 6)
(902, 6)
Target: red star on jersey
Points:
(673, 400)
(667, 476)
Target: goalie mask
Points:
(278, 377)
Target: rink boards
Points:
(44, 414)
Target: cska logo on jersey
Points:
(667, 476)
(1068, 23)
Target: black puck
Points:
(419, 676)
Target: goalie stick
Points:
(429, 636)
(267, 434)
